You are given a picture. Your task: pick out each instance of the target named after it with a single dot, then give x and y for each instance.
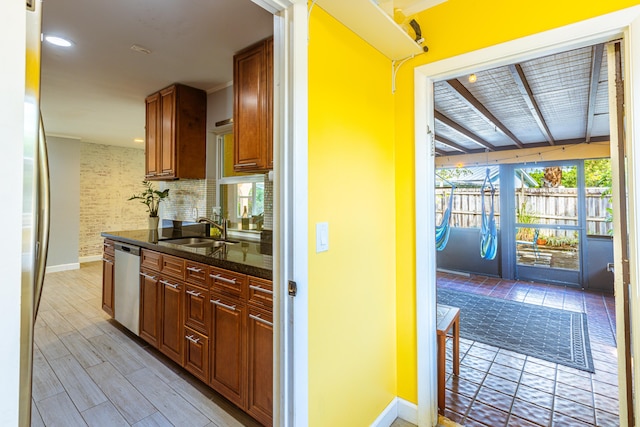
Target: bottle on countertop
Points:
(245, 219)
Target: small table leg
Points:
(442, 351)
(456, 346)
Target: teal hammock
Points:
(443, 229)
(488, 230)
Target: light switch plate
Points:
(322, 236)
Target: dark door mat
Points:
(558, 336)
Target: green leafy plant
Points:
(151, 198)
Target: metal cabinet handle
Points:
(148, 276)
(192, 339)
(149, 175)
(221, 304)
(245, 165)
(195, 294)
(107, 260)
(164, 282)
(106, 245)
(260, 319)
(259, 289)
(165, 173)
(224, 279)
(195, 269)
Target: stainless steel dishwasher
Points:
(127, 287)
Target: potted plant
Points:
(152, 199)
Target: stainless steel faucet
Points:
(222, 228)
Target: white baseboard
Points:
(63, 267)
(398, 408)
(90, 258)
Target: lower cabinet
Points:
(227, 351)
(149, 304)
(260, 365)
(171, 327)
(108, 264)
(215, 323)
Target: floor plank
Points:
(45, 384)
(104, 415)
(81, 349)
(83, 391)
(133, 405)
(154, 420)
(59, 411)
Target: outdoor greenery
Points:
(597, 173)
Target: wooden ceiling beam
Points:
(527, 95)
(451, 144)
(463, 94)
(440, 152)
(458, 128)
(596, 64)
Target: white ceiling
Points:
(95, 90)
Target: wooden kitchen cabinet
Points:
(175, 135)
(253, 107)
(196, 308)
(196, 353)
(227, 341)
(171, 323)
(149, 304)
(108, 263)
(260, 364)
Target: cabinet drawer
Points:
(260, 292)
(196, 273)
(196, 308)
(196, 354)
(228, 282)
(151, 260)
(173, 266)
(108, 246)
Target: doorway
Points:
(579, 35)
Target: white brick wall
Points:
(109, 175)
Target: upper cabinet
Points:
(253, 107)
(176, 133)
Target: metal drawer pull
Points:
(221, 304)
(195, 294)
(224, 279)
(192, 339)
(245, 165)
(107, 260)
(165, 173)
(194, 269)
(164, 282)
(260, 319)
(259, 289)
(148, 276)
(107, 245)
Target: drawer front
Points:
(260, 292)
(196, 308)
(228, 282)
(109, 248)
(151, 259)
(173, 266)
(196, 273)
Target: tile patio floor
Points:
(499, 388)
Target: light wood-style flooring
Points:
(88, 370)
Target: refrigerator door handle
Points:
(43, 222)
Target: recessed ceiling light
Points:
(58, 41)
(138, 140)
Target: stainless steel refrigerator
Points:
(22, 267)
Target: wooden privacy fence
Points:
(553, 206)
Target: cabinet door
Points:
(227, 340)
(167, 141)
(152, 136)
(269, 103)
(149, 303)
(107, 284)
(171, 334)
(196, 354)
(196, 308)
(249, 109)
(260, 365)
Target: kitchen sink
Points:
(199, 242)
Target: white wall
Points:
(219, 106)
(64, 174)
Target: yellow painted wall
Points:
(450, 29)
(352, 310)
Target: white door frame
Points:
(589, 32)
(290, 207)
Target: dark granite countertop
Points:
(244, 257)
